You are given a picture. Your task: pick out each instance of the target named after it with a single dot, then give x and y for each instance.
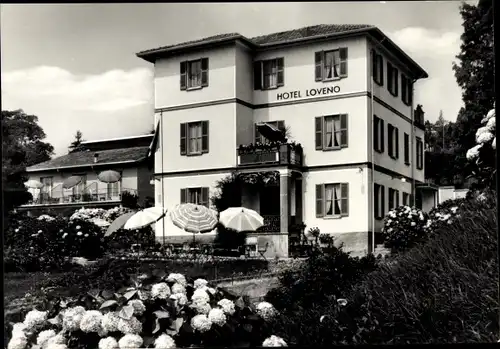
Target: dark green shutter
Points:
(381, 67)
(397, 198)
(403, 88)
(320, 204)
(183, 196)
(318, 128)
(204, 72)
(376, 129)
(344, 199)
(410, 92)
(375, 66)
(183, 139)
(343, 62)
(204, 137)
(407, 148)
(389, 77)
(204, 201)
(376, 194)
(382, 201)
(258, 138)
(344, 131)
(183, 76)
(257, 75)
(382, 135)
(318, 63)
(390, 143)
(397, 141)
(280, 74)
(396, 81)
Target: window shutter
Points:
(258, 138)
(204, 72)
(396, 81)
(257, 75)
(320, 204)
(344, 201)
(204, 197)
(375, 66)
(381, 67)
(382, 135)
(280, 72)
(204, 137)
(389, 77)
(281, 126)
(397, 141)
(344, 131)
(410, 91)
(183, 78)
(397, 198)
(183, 144)
(375, 132)
(403, 89)
(406, 148)
(343, 62)
(376, 196)
(319, 132)
(382, 201)
(390, 140)
(183, 196)
(318, 61)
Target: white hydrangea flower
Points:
(109, 322)
(44, 336)
(178, 288)
(57, 339)
(180, 298)
(164, 341)
(217, 316)
(18, 343)
(491, 124)
(211, 290)
(484, 137)
(413, 224)
(108, 343)
(132, 326)
(200, 295)
(201, 306)
(91, 321)
(161, 291)
(200, 283)
(130, 341)
(201, 323)
(72, 318)
(56, 346)
(19, 329)
(138, 305)
(494, 143)
(227, 305)
(266, 310)
(274, 341)
(178, 278)
(34, 319)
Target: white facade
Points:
(232, 107)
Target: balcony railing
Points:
(271, 224)
(270, 154)
(92, 193)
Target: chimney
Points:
(96, 157)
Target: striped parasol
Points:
(70, 182)
(194, 218)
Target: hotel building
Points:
(343, 92)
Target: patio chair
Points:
(262, 248)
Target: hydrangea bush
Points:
(153, 310)
(403, 227)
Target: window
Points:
(378, 134)
(194, 138)
(406, 199)
(331, 132)
(407, 148)
(393, 198)
(379, 201)
(280, 125)
(194, 74)
(420, 154)
(393, 141)
(406, 90)
(392, 79)
(47, 184)
(330, 65)
(198, 196)
(269, 74)
(378, 68)
(332, 200)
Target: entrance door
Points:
(270, 207)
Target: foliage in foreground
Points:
(404, 227)
(443, 291)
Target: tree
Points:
(475, 75)
(76, 145)
(22, 146)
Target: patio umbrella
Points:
(194, 218)
(145, 217)
(101, 222)
(118, 223)
(70, 182)
(270, 132)
(241, 219)
(33, 184)
(109, 176)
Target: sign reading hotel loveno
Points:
(323, 91)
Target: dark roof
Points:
(316, 32)
(86, 158)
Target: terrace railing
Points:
(271, 224)
(282, 154)
(91, 193)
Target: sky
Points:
(74, 65)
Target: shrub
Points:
(403, 228)
(229, 238)
(124, 239)
(88, 214)
(442, 291)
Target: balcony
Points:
(90, 194)
(286, 154)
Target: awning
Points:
(70, 182)
(271, 132)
